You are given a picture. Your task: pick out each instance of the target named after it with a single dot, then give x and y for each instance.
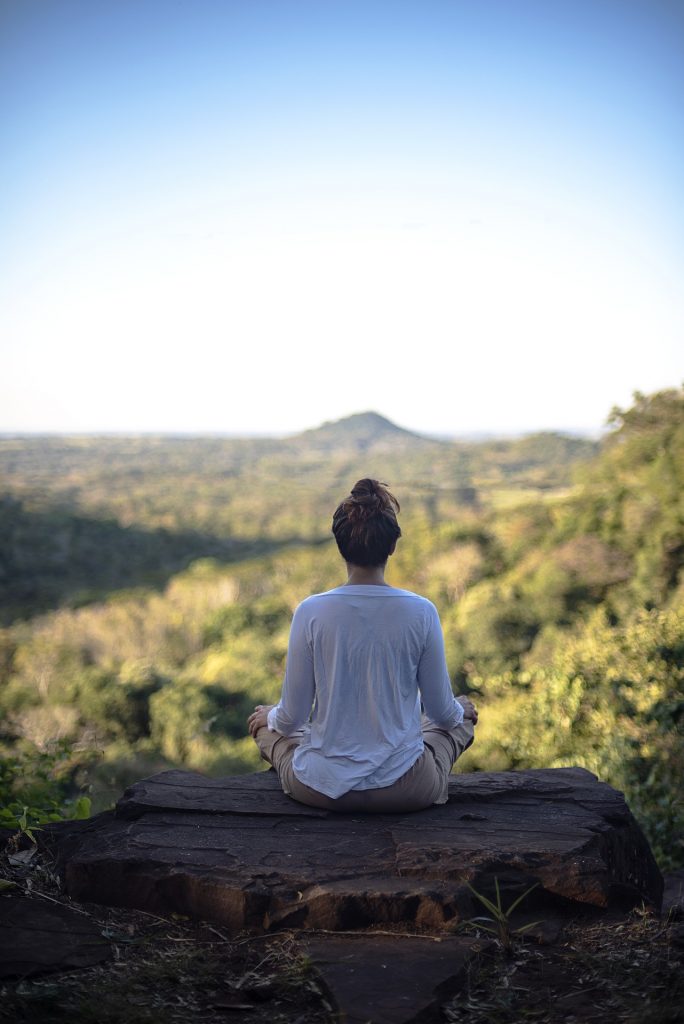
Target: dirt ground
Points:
(170, 970)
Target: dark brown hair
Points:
(365, 524)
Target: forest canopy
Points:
(148, 584)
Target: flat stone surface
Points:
(255, 794)
(238, 851)
(389, 979)
(37, 937)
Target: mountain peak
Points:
(366, 423)
(361, 430)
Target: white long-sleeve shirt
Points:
(360, 660)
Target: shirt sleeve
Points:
(299, 688)
(433, 678)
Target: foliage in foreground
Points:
(610, 699)
(37, 787)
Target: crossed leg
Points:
(424, 784)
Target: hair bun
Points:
(370, 498)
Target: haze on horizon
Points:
(343, 421)
(252, 217)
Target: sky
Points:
(251, 216)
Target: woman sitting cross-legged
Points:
(347, 733)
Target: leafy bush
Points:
(611, 699)
(39, 786)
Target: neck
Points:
(361, 574)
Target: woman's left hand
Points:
(469, 709)
(259, 718)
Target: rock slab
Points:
(389, 979)
(36, 938)
(673, 895)
(239, 852)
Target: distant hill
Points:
(81, 515)
(362, 431)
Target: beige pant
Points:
(424, 784)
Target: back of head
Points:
(365, 524)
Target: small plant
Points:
(499, 923)
(23, 818)
(34, 791)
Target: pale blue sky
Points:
(253, 216)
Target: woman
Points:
(347, 733)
